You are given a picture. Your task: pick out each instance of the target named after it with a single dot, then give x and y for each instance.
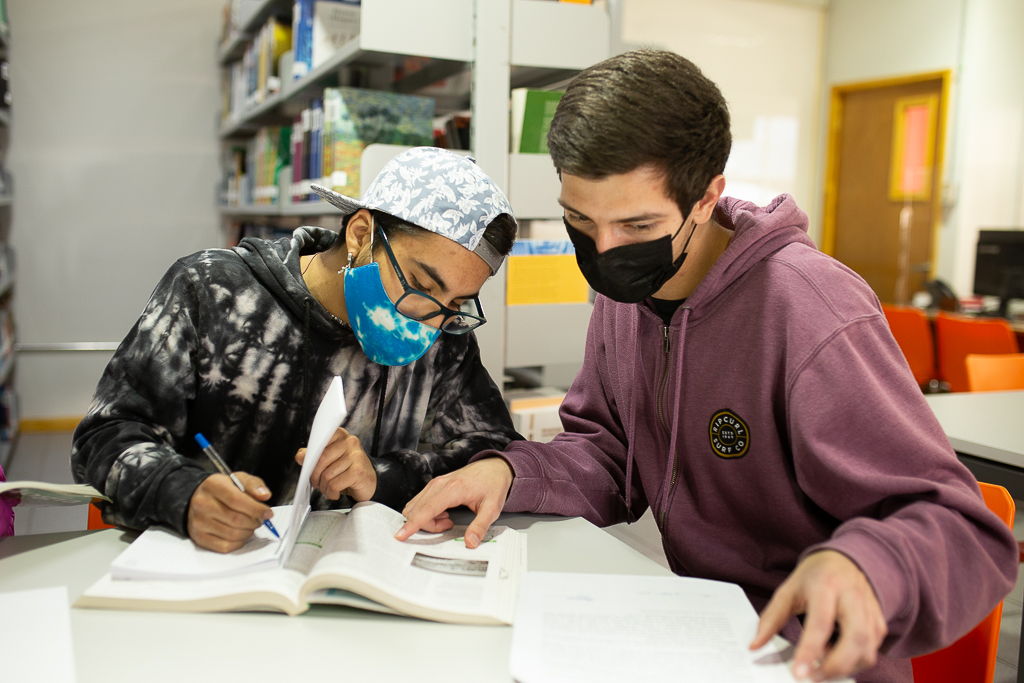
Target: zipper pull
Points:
(665, 330)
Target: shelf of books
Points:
(310, 89)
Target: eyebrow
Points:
(436, 277)
(631, 219)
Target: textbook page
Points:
(603, 628)
(161, 555)
(428, 575)
(329, 416)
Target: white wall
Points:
(114, 149)
(766, 58)
(982, 42)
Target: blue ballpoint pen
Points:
(212, 453)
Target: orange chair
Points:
(995, 372)
(96, 519)
(972, 659)
(956, 336)
(913, 333)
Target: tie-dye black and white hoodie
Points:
(233, 345)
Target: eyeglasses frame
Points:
(408, 289)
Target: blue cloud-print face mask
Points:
(387, 336)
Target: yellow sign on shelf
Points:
(545, 279)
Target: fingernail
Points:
(263, 491)
(801, 670)
(472, 540)
(400, 534)
(268, 515)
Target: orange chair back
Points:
(96, 519)
(957, 336)
(995, 372)
(972, 659)
(913, 333)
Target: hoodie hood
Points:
(275, 264)
(758, 233)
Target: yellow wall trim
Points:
(49, 424)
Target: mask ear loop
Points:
(689, 237)
(351, 256)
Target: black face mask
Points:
(629, 273)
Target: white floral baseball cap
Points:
(439, 191)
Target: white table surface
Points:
(985, 424)
(326, 642)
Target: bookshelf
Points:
(505, 44)
(8, 402)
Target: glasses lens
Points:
(418, 307)
(471, 318)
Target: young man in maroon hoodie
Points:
(746, 388)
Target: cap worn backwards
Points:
(439, 191)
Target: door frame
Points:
(835, 128)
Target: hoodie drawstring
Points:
(380, 410)
(631, 416)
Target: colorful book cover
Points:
(302, 38)
(359, 117)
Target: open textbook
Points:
(43, 493)
(351, 558)
(327, 556)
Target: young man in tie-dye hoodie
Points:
(240, 345)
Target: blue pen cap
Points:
(203, 443)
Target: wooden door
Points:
(882, 202)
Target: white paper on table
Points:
(609, 628)
(35, 636)
(329, 416)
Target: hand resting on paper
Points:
(481, 486)
(343, 467)
(829, 589)
(221, 518)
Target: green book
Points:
(532, 111)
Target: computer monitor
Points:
(999, 265)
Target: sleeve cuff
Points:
(527, 492)
(176, 492)
(880, 566)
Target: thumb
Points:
(254, 486)
(300, 455)
(779, 610)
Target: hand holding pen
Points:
(222, 467)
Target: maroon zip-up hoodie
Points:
(773, 417)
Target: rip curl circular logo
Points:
(730, 437)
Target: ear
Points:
(357, 232)
(703, 209)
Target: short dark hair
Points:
(640, 108)
(500, 232)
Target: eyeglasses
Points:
(420, 306)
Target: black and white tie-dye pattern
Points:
(221, 349)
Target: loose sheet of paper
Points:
(35, 636)
(329, 416)
(609, 628)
